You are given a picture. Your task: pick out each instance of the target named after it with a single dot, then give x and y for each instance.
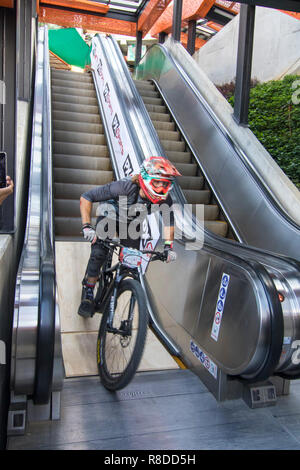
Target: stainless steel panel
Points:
(244, 334)
(26, 310)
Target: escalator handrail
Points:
(148, 131)
(138, 151)
(46, 318)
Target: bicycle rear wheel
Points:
(119, 352)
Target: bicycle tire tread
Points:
(119, 382)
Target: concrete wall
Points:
(276, 48)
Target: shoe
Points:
(87, 306)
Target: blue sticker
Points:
(222, 293)
(204, 359)
(220, 306)
(225, 280)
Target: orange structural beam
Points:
(198, 43)
(233, 7)
(60, 59)
(213, 25)
(7, 3)
(191, 10)
(292, 13)
(86, 5)
(86, 21)
(150, 14)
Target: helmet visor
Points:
(161, 186)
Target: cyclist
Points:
(151, 186)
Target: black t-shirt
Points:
(122, 199)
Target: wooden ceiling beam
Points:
(191, 10)
(91, 22)
(7, 3)
(85, 5)
(153, 10)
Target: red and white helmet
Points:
(156, 178)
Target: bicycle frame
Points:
(111, 282)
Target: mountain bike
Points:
(123, 328)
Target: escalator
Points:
(192, 182)
(81, 161)
(89, 148)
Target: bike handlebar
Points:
(155, 255)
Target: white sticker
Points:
(204, 359)
(220, 306)
(125, 156)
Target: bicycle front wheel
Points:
(120, 345)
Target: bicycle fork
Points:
(125, 326)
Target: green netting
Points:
(69, 46)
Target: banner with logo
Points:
(124, 153)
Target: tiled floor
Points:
(162, 410)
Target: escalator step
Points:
(152, 108)
(168, 135)
(81, 162)
(179, 157)
(71, 91)
(80, 149)
(144, 84)
(157, 116)
(197, 197)
(74, 126)
(82, 176)
(149, 100)
(72, 84)
(78, 137)
(77, 117)
(70, 208)
(75, 108)
(69, 226)
(74, 99)
(187, 169)
(71, 76)
(211, 212)
(74, 191)
(148, 92)
(161, 126)
(190, 182)
(218, 227)
(176, 146)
